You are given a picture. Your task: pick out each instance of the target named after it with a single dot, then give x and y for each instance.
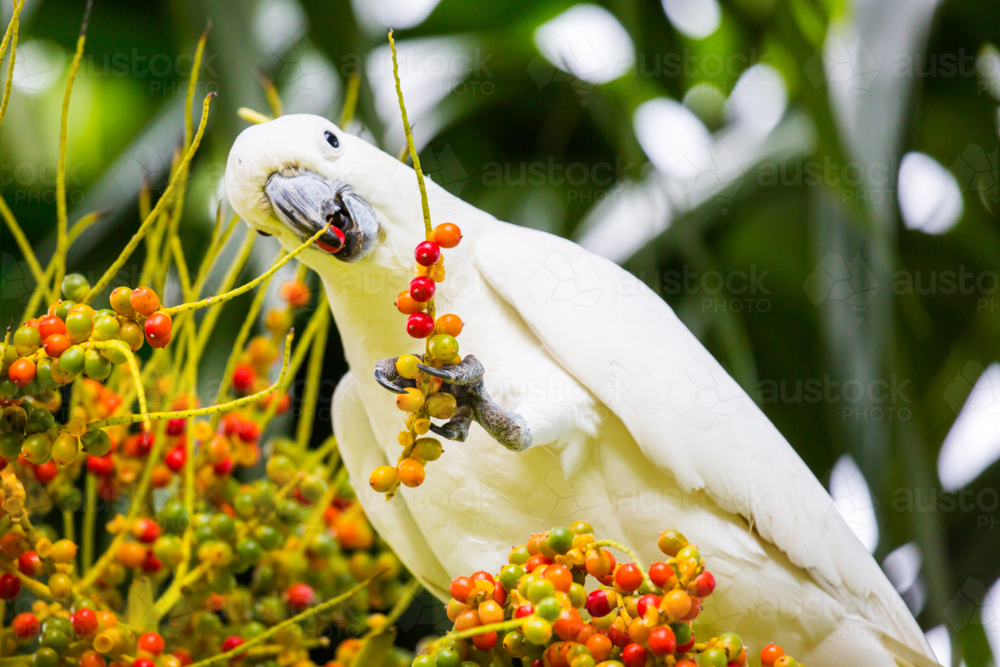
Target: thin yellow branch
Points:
(60, 255)
(164, 199)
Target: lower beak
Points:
(307, 202)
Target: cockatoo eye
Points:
(331, 139)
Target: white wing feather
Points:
(688, 416)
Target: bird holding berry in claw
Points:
(603, 401)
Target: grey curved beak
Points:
(307, 202)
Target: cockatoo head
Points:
(292, 176)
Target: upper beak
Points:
(307, 202)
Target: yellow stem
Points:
(251, 116)
(201, 412)
(22, 243)
(15, 22)
(350, 100)
(409, 139)
(273, 630)
(314, 375)
(60, 255)
(222, 298)
(164, 199)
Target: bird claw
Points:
(469, 372)
(387, 384)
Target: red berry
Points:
(56, 344)
(645, 602)
(231, 642)
(427, 253)
(175, 458)
(143, 662)
(634, 655)
(704, 584)
(249, 431)
(461, 587)
(151, 642)
(46, 472)
(422, 289)
(659, 574)
(419, 325)
(21, 372)
(224, 467)
(524, 610)
(618, 637)
(84, 622)
(30, 564)
(485, 641)
(598, 605)
(176, 426)
(158, 330)
(145, 530)
(662, 640)
(243, 379)
(483, 576)
(183, 656)
(331, 248)
(26, 625)
(628, 577)
(50, 325)
(10, 586)
(299, 597)
(102, 466)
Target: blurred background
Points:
(811, 184)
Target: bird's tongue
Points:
(331, 248)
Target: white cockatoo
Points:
(608, 408)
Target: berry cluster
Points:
(53, 350)
(425, 400)
(303, 540)
(537, 609)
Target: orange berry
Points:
(677, 603)
(599, 647)
(447, 235)
(770, 653)
(467, 620)
(382, 479)
(295, 293)
(560, 576)
(21, 372)
(144, 301)
(448, 324)
(131, 554)
(406, 304)
(411, 473)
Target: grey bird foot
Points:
(456, 428)
(469, 372)
(387, 376)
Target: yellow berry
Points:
(63, 551)
(383, 478)
(405, 438)
(421, 426)
(406, 366)
(411, 401)
(441, 405)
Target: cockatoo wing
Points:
(689, 417)
(392, 520)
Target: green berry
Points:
(72, 360)
(96, 442)
(13, 418)
(173, 518)
(106, 328)
(269, 537)
(10, 445)
(548, 609)
(43, 375)
(79, 325)
(75, 286)
(169, 550)
(222, 526)
(45, 657)
(62, 310)
(540, 589)
(95, 366)
(560, 540)
(510, 575)
(249, 551)
(447, 658)
(26, 340)
(37, 448)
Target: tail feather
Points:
(904, 655)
